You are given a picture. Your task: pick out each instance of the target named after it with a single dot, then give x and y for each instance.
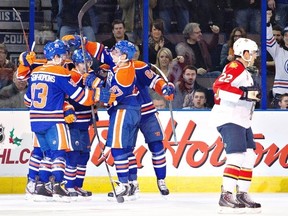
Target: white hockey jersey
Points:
(280, 57)
(229, 108)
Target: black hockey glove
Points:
(250, 93)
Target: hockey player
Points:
(124, 112)
(235, 98)
(28, 62)
(150, 125)
(48, 85)
(145, 78)
(78, 155)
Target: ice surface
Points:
(149, 204)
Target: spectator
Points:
(283, 101)
(12, 96)
(186, 85)
(279, 54)
(67, 18)
(158, 100)
(133, 17)
(168, 65)
(7, 68)
(157, 40)
(227, 53)
(196, 100)
(277, 33)
(280, 7)
(163, 59)
(170, 10)
(247, 15)
(196, 50)
(118, 33)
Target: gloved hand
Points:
(27, 58)
(250, 93)
(74, 40)
(168, 91)
(105, 96)
(69, 113)
(91, 80)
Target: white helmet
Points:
(243, 44)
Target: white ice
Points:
(149, 204)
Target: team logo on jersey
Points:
(2, 136)
(233, 65)
(286, 66)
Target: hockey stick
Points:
(24, 33)
(170, 104)
(81, 13)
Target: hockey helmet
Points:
(77, 56)
(56, 47)
(244, 44)
(126, 47)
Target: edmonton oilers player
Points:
(48, 86)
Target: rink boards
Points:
(195, 164)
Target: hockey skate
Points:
(162, 187)
(122, 189)
(228, 205)
(43, 192)
(60, 193)
(72, 193)
(134, 190)
(82, 192)
(244, 198)
(30, 189)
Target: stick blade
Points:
(84, 9)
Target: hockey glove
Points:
(74, 40)
(250, 93)
(105, 96)
(92, 81)
(168, 91)
(69, 113)
(27, 58)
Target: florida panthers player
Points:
(235, 98)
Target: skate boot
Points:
(72, 193)
(30, 189)
(244, 198)
(83, 194)
(134, 190)
(43, 192)
(60, 193)
(162, 187)
(228, 205)
(122, 189)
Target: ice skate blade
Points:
(40, 198)
(29, 196)
(229, 210)
(58, 198)
(83, 198)
(253, 210)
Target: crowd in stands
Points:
(197, 26)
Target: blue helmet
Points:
(56, 47)
(126, 47)
(77, 56)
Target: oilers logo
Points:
(2, 136)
